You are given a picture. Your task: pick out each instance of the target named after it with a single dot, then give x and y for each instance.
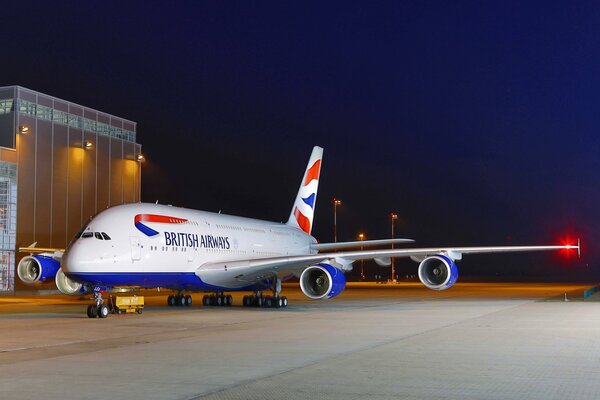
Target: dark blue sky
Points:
(477, 122)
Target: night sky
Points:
(477, 122)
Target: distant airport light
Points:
(361, 237)
(24, 129)
(336, 203)
(87, 145)
(140, 158)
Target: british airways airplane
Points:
(156, 246)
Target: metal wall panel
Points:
(60, 173)
(43, 182)
(89, 178)
(103, 182)
(25, 183)
(116, 172)
(74, 179)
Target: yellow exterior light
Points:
(87, 145)
(24, 129)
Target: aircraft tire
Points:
(103, 311)
(278, 302)
(228, 300)
(181, 301)
(188, 300)
(284, 301)
(218, 300)
(268, 302)
(206, 300)
(171, 300)
(92, 311)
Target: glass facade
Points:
(6, 106)
(26, 107)
(8, 224)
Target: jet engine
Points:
(37, 269)
(322, 281)
(438, 272)
(68, 286)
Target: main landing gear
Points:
(99, 309)
(261, 301)
(179, 300)
(275, 301)
(217, 299)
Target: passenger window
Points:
(98, 235)
(87, 235)
(105, 236)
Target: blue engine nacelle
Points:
(438, 272)
(37, 269)
(322, 281)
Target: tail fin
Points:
(306, 199)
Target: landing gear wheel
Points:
(268, 302)
(206, 300)
(180, 301)
(228, 300)
(219, 300)
(284, 301)
(171, 300)
(188, 300)
(103, 311)
(278, 302)
(92, 311)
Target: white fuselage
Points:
(155, 245)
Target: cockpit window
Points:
(87, 235)
(98, 235)
(105, 236)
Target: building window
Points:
(6, 106)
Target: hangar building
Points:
(60, 164)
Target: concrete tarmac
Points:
(474, 341)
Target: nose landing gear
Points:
(98, 309)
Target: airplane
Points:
(147, 245)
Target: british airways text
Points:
(195, 240)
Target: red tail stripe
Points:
(313, 172)
(303, 222)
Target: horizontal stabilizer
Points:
(358, 244)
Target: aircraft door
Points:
(136, 249)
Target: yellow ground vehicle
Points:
(127, 304)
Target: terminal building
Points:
(60, 164)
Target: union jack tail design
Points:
(303, 210)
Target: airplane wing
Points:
(43, 251)
(254, 270)
(356, 244)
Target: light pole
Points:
(361, 237)
(393, 217)
(336, 203)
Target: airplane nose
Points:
(71, 260)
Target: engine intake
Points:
(67, 285)
(438, 272)
(37, 269)
(322, 281)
